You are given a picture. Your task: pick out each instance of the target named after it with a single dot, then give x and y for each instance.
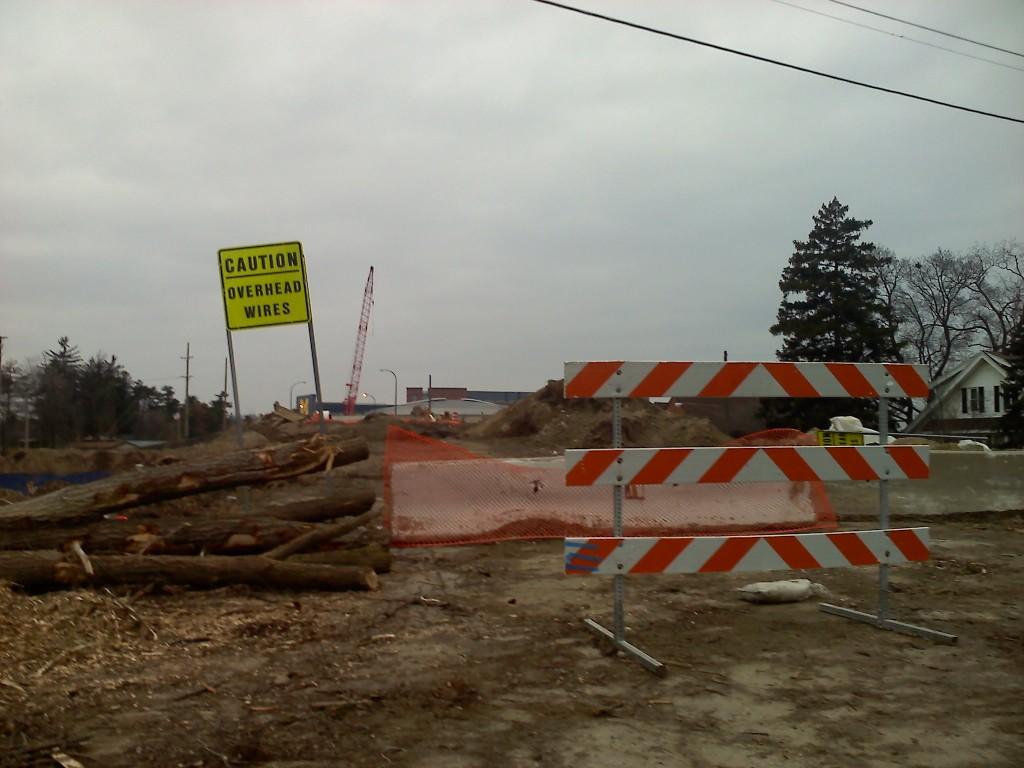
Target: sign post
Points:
(265, 285)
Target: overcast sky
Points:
(532, 186)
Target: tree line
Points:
(845, 299)
(64, 398)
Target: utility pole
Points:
(187, 358)
(28, 417)
(3, 421)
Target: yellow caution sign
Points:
(264, 285)
(828, 437)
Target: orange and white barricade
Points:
(621, 468)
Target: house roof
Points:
(949, 382)
(969, 365)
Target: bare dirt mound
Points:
(549, 420)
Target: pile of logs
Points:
(166, 525)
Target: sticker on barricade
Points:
(611, 556)
(771, 464)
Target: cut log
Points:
(50, 570)
(163, 535)
(79, 503)
(289, 500)
(320, 535)
(373, 556)
(316, 503)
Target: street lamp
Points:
(388, 370)
(367, 394)
(291, 389)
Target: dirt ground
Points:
(475, 656)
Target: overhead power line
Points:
(897, 35)
(930, 29)
(776, 62)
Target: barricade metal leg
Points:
(882, 620)
(617, 636)
(649, 662)
(891, 624)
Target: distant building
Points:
(304, 404)
(968, 400)
(497, 396)
(466, 402)
(415, 394)
(502, 397)
(466, 408)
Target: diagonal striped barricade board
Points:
(620, 468)
(766, 464)
(609, 555)
(633, 379)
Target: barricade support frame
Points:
(881, 619)
(617, 635)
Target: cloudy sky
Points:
(532, 186)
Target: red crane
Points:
(357, 358)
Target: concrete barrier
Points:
(960, 482)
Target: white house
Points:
(968, 400)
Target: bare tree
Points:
(9, 373)
(936, 304)
(997, 293)
(20, 408)
(891, 274)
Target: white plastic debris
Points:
(786, 591)
(846, 424)
(972, 445)
(853, 424)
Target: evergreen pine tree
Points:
(831, 312)
(1011, 425)
(57, 391)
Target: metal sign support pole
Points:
(316, 373)
(243, 492)
(234, 390)
(617, 636)
(319, 397)
(882, 620)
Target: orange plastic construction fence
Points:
(438, 493)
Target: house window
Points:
(996, 405)
(963, 400)
(976, 395)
